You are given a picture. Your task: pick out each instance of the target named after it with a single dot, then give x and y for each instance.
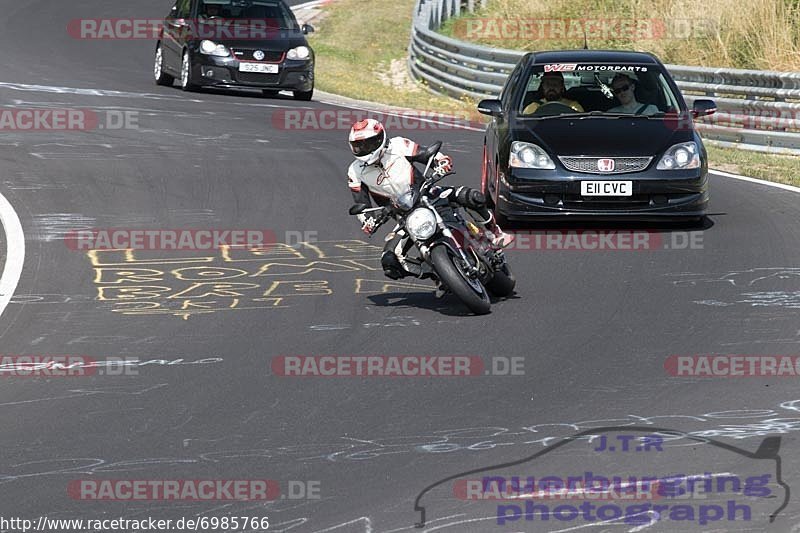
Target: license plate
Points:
(261, 68)
(606, 188)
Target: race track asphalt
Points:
(593, 328)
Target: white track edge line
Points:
(15, 252)
(755, 180)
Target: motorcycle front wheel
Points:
(502, 283)
(470, 291)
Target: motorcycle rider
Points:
(383, 171)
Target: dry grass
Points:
(778, 168)
(754, 34)
(355, 46)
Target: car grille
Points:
(246, 54)
(255, 77)
(621, 164)
(578, 203)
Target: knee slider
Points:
(477, 198)
(470, 197)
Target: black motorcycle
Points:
(447, 245)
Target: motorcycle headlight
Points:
(301, 52)
(529, 155)
(421, 224)
(680, 156)
(210, 48)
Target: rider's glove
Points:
(368, 224)
(443, 164)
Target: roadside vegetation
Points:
(361, 50)
(778, 168)
(757, 34)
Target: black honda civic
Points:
(235, 43)
(592, 134)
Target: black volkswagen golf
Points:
(589, 134)
(235, 43)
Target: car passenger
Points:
(623, 86)
(553, 90)
(212, 10)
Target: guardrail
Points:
(756, 110)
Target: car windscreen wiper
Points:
(606, 114)
(545, 117)
(585, 114)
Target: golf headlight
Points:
(421, 224)
(301, 52)
(210, 48)
(680, 156)
(528, 155)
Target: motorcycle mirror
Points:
(429, 155)
(357, 209)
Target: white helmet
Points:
(367, 140)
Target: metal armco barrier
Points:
(756, 110)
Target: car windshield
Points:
(276, 13)
(564, 89)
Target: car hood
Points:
(603, 136)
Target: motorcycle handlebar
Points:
(369, 210)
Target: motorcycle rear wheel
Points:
(445, 262)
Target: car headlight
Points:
(421, 224)
(210, 48)
(529, 155)
(680, 156)
(301, 52)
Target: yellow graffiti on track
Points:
(235, 278)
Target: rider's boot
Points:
(499, 238)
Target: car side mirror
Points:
(307, 28)
(493, 108)
(357, 209)
(703, 107)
